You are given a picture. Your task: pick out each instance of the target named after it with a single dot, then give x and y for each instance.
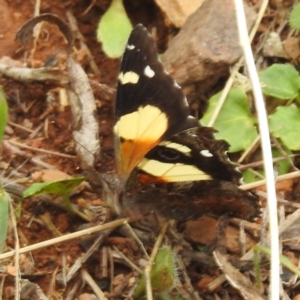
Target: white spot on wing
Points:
(149, 72)
(130, 47)
(177, 85)
(128, 77)
(185, 101)
(205, 153)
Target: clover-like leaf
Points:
(284, 124)
(280, 81)
(114, 29)
(235, 124)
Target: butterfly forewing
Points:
(150, 106)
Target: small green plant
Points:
(234, 114)
(163, 275)
(278, 81)
(283, 260)
(59, 187)
(4, 211)
(113, 29)
(3, 113)
(294, 19)
(281, 81)
(4, 198)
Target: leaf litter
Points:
(113, 273)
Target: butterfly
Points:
(166, 161)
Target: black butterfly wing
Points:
(150, 106)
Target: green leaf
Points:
(280, 81)
(235, 122)
(294, 18)
(249, 176)
(283, 165)
(284, 124)
(3, 113)
(114, 29)
(163, 274)
(59, 187)
(4, 208)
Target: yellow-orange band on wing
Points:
(168, 172)
(139, 132)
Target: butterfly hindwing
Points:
(193, 154)
(192, 200)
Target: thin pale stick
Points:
(152, 257)
(129, 262)
(20, 127)
(17, 249)
(134, 235)
(91, 282)
(78, 34)
(67, 237)
(252, 185)
(237, 66)
(39, 150)
(266, 149)
(260, 162)
(250, 149)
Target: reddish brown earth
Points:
(30, 107)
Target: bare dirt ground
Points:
(39, 119)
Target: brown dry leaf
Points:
(204, 282)
(11, 270)
(236, 279)
(87, 297)
(25, 33)
(203, 231)
(82, 101)
(178, 10)
(27, 266)
(273, 46)
(82, 203)
(9, 62)
(49, 175)
(292, 47)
